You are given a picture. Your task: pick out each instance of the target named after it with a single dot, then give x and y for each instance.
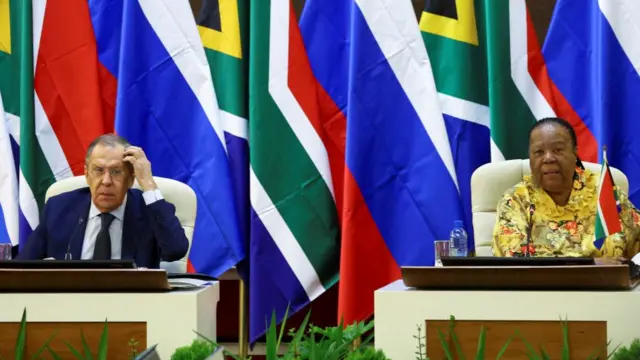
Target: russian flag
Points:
(593, 56)
(9, 152)
(166, 104)
(401, 191)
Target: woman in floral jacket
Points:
(562, 197)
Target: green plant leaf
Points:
(481, 343)
(595, 354)
(103, 344)
(282, 327)
(198, 350)
(367, 340)
(618, 346)
(272, 343)
(545, 356)
(565, 339)
(445, 345)
(504, 347)
(297, 338)
(216, 346)
(531, 352)
(44, 347)
(85, 347)
(22, 336)
(75, 352)
(454, 337)
(54, 355)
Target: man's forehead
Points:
(107, 155)
(106, 162)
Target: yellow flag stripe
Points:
(228, 40)
(5, 27)
(464, 29)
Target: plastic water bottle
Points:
(458, 240)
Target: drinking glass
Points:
(5, 251)
(441, 249)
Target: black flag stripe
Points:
(209, 16)
(445, 8)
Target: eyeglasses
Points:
(114, 173)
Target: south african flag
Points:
(608, 206)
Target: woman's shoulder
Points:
(520, 190)
(588, 178)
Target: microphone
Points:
(67, 256)
(532, 209)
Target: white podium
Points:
(398, 311)
(170, 318)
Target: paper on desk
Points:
(188, 283)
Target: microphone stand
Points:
(532, 209)
(67, 255)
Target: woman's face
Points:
(552, 157)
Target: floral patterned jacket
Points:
(561, 230)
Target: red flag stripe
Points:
(327, 120)
(588, 145)
(607, 203)
(362, 244)
(77, 93)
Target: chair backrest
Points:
(488, 184)
(175, 192)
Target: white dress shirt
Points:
(115, 229)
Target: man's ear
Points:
(132, 171)
(132, 179)
(86, 172)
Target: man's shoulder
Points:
(69, 196)
(136, 199)
(63, 207)
(135, 193)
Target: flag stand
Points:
(243, 342)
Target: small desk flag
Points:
(607, 218)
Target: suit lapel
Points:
(130, 226)
(77, 234)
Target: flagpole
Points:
(243, 342)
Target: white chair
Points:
(488, 184)
(175, 192)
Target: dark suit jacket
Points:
(150, 234)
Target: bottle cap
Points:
(458, 224)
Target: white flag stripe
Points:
(465, 110)
(520, 62)
(284, 98)
(235, 125)
(49, 143)
(173, 22)
(395, 28)
(13, 126)
(37, 16)
(28, 204)
(8, 180)
(623, 17)
(44, 132)
(284, 239)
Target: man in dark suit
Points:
(109, 220)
